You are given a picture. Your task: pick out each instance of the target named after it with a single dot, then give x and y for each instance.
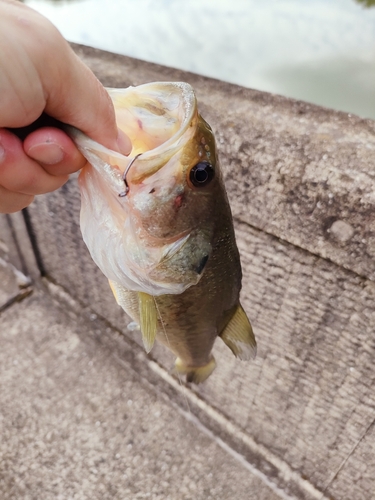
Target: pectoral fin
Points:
(148, 319)
(239, 337)
(147, 312)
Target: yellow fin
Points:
(239, 337)
(148, 319)
(196, 374)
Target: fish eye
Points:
(202, 174)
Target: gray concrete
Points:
(78, 423)
(300, 181)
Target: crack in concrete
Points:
(341, 466)
(22, 284)
(17, 297)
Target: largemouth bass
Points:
(159, 226)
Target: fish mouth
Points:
(154, 93)
(167, 107)
(143, 111)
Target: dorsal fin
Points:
(148, 319)
(239, 337)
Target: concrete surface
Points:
(300, 181)
(78, 423)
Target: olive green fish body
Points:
(188, 323)
(159, 226)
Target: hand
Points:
(41, 73)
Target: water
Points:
(322, 51)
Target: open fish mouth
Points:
(161, 113)
(158, 119)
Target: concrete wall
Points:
(301, 184)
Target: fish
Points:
(159, 226)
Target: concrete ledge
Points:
(300, 181)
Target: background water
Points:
(322, 51)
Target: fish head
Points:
(171, 201)
(149, 219)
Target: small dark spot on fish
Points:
(152, 191)
(202, 264)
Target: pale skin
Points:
(39, 73)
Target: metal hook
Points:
(124, 193)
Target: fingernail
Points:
(48, 153)
(124, 143)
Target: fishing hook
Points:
(124, 193)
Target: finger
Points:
(48, 76)
(13, 202)
(21, 174)
(54, 150)
(81, 101)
